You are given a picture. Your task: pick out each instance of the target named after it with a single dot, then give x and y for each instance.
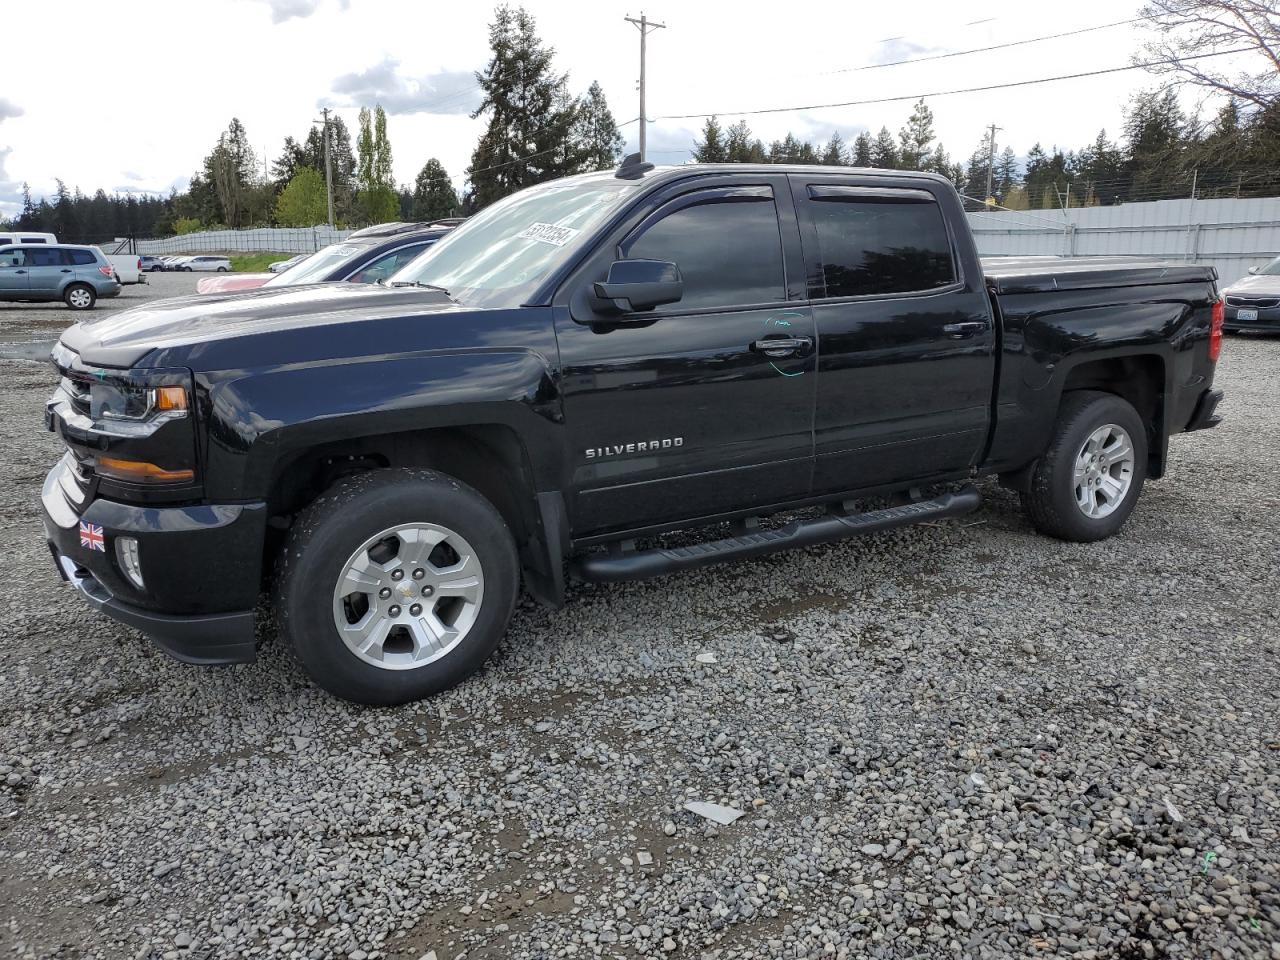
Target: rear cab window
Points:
(875, 241)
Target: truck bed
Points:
(1007, 275)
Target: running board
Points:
(623, 564)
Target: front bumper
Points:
(1267, 320)
(201, 567)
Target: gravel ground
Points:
(957, 738)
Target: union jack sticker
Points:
(91, 537)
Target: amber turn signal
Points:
(170, 398)
(139, 471)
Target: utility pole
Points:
(645, 25)
(328, 168)
(991, 164)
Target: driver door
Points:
(683, 412)
(14, 278)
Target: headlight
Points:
(120, 399)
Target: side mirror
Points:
(1253, 270)
(635, 285)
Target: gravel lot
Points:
(959, 738)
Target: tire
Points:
(342, 531)
(1055, 502)
(222, 269)
(80, 296)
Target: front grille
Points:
(78, 391)
(1262, 302)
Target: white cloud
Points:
(444, 92)
(282, 10)
(9, 109)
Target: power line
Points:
(998, 46)
(950, 93)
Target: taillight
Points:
(1215, 328)
(106, 271)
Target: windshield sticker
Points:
(548, 233)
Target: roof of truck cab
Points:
(671, 172)
(1045, 274)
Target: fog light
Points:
(127, 554)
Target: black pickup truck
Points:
(578, 368)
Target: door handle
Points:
(959, 331)
(19, 271)
(65, 270)
(781, 346)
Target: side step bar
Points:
(623, 564)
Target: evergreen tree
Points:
(433, 195)
(1156, 134)
(833, 154)
(530, 116)
(916, 138)
(861, 150)
(286, 166)
(65, 222)
(595, 136)
(711, 148)
(1006, 174)
(229, 171)
(741, 147)
(382, 173)
(884, 152)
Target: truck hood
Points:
(123, 339)
(1255, 285)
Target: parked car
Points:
(367, 258)
(28, 236)
(280, 266)
(150, 264)
(585, 364)
(205, 263)
(173, 261)
(77, 275)
(1253, 302)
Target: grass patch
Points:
(255, 262)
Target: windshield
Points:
(1272, 269)
(501, 255)
(315, 267)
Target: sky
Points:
(135, 103)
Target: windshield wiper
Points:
(417, 283)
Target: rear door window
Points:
(387, 264)
(871, 244)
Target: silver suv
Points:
(76, 275)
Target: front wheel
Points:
(396, 584)
(80, 296)
(222, 269)
(1088, 481)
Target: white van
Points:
(29, 237)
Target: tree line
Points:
(1164, 153)
(536, 130)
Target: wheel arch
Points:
(1141, 379)
(491, 457)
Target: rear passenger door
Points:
(906, 345)
(47, 269)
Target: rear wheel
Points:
(222, 269)
(396, 584)
(1088, 481)
(80, 296)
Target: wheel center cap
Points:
(406, 590)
